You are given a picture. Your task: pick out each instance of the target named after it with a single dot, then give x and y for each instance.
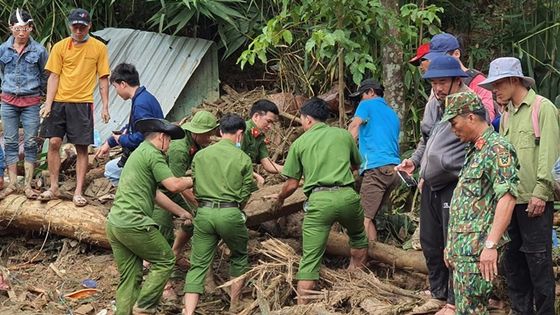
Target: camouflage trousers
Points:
(471, 290)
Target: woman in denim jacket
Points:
(24, 81)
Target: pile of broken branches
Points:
(360, 292)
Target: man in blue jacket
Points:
(125, 79)
(24, 82)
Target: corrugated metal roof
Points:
(165, 64)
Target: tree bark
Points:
(337, 245)
(59, 217)
(393, 67)
(87, 224)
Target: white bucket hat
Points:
(505, 67)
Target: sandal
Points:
(48, 195)
(8, 191)
(79, 201)
(31, 193)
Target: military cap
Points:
(461, 103)
(201, 122)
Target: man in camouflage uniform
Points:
(482, 203)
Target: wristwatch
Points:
(490, 245)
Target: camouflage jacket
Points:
(489, 172)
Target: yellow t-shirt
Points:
(78, 69)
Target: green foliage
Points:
(49, 17)
(304, 41)
(527, 29)
(234, 20)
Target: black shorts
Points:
(73, 120)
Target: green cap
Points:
(461, 103)
(201, 122)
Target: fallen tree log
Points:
(87, 224)
(59, 217)
(337, 245)
(259, 207)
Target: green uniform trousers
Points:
(322, 210)
(211, 224)
(130, 246)
(471, 290)
(164, 218)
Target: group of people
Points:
(484, 191)
(65, 80)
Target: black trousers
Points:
(434, 220)
(528, 262)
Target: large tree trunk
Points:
(87, 224)
(392, 59)
(59, 217)
(409, 260)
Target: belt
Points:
(218, 204)
(328, 188)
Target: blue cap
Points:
(441, 44)
(444, 66)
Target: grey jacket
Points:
(440, 154)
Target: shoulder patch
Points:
(504, 159)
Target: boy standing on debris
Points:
(24, 82)
(263, 114)
(326, 155)
(126, 81)
(376, 126)
(131, 231)
(223, 180)
(482, 203)
(74, 64)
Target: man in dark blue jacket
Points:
(125, 79)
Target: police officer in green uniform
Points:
(326, 156)
(482, 203)
(223, 179)
(180, 154)
(131, 231)
(263, 114)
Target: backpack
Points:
(535, 109)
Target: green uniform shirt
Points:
(254, 142)
(536, 161)
(490, 171)
(222, 172)
(323, 155)
(134, 202)
(180, 155)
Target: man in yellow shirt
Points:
(74, 64)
